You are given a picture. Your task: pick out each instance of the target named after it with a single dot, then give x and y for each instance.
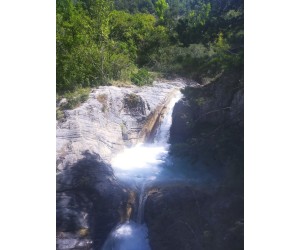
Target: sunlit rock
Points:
(111, 119)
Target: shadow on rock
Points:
(89, 203)
(186, 217)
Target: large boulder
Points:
(206, 139)
(217, 103)
(208, 127)
(90, 203)
(189, 218)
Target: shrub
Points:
(142, 77)
(75, 98)
(59, 114)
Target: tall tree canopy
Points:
(103, 40)
(160, 8)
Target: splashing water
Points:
(143, 161)
(140, 165)
(128, 236)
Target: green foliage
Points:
(134, 6)
(139, 35)
(85, 55)
(100, 13)
(74, 99)
(207, 19)
(221, 44)
(210, 37)
(160, 8)
(142, 77)
(232, 14)
(59, 114)
(185, 61)
(200, 15)
(98, 43)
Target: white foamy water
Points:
(143, 161)
(128, 236)
(139, 165)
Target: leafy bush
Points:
(118, 65)
(97, 44)
(198, 61)
(75, 98)
(142, 77)
(59, 114)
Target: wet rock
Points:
(221, 101)
(72, 241)
(187, 217)
(207, 127)
(181, 125)
(207, 138)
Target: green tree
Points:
(200, 15)
(100, 13)
(138, 34)
(160, 8)
(73, 32)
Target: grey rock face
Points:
(111, 118)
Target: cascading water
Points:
(141, 204)
(140, 166)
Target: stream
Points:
(141, 166)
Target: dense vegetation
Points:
(99, 41)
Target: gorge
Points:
(150, 124)
(131, 115)
(121, 185)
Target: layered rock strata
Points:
(111, 119)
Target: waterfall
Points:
(141, 204)
(140, 166)
(142, 163)
(163, 131)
